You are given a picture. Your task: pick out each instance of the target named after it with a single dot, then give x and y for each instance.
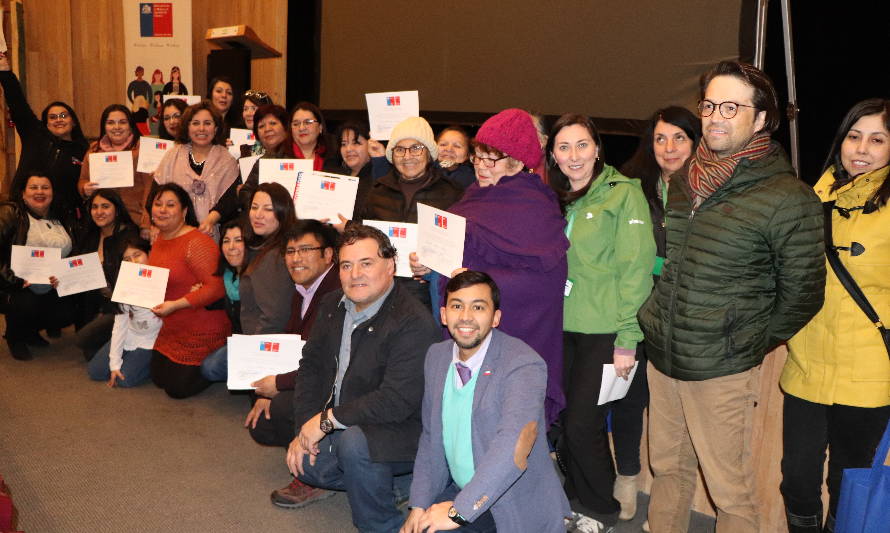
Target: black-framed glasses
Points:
(487, 162)
(416, 149)
(727, 109)
(171, 117)
(303, 251)
(56, 116)
(308, 122)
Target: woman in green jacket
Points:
(610, 276)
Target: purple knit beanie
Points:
(513, 132)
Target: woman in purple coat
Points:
(515, 233)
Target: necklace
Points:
(195, 163)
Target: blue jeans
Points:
(344, 463)
(135, 368)
(216, 366)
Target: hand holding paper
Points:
(440, 239)
(253, 357)
(80, 273)
(34, 264)
(112, 169)
(386, 110)
(140, 285)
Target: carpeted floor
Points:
(80, 457)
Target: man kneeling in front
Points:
(483, 463)
(358, 391)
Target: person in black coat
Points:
(53, 145)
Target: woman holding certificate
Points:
(34, 219)
(353, 159)
(53, 144)
(202, 166)
(190, 331)
(270, 128)
(118, 133)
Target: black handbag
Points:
(847, 280)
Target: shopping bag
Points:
(864, 505)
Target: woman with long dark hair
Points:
(309, 133)
(171, 118)
(52, 145)
(837, 376)
(270, 126)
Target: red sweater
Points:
(191, 334)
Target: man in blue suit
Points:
(483, 461)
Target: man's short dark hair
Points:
(468, 278)
(324, 233)
(357, 232)
(765, 98)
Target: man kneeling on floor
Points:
(483, 463)
(358, 391)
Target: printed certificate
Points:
(386, 110)
(287, 172)
(440, 239)
(80, 273)
(239, 137)
(151, 151)
(324, 196)
(112, 169)
(403, 236)
(140, 285)
(35, 264)
(253, 357)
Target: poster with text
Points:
(158, 54)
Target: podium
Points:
(235, 47)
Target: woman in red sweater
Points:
(190, 331)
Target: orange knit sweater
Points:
(191, 334)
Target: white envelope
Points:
(324, 196)
(386, 110)
(440, 239)
(403, 236)
(151, 151)
(612, 387)
(112, 169)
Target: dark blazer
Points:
(303, 325)
(515, 477)
(383, 386)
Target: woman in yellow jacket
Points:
(837, 377)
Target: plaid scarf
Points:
(708, 171)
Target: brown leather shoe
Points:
(298, 494)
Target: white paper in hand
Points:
(34, 264)
(386, 110)
(287, 172)
(240, 136)
(151, 151)
(140, 285)
(403, 236)
(80, 273)
(325, 196)
(112, 169)
(253, 357)
(440, 239)
(612, 387)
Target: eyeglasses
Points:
(487, 162)
(308, 122)
(54, 116)
(171, 117)
(303, 251)
(401, 151)
(727, 109)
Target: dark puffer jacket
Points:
(744, 272)
(387, 202)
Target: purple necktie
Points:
(464, 372)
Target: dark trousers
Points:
(27, 313)
(279, 429)
(584, 450)
(851, 435)
(178, 381)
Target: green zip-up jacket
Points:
(610, 258)
(744, 271)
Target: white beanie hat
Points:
(416, 128)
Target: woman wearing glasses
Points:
(453, 160)
(171, 118)
(308, 131)
(265, 287)
(253, 100)
(414, 178)
(837, 378)
(54, 145)
(201, 164)
(118, 133)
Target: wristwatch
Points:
(327, 425)
(456, 517)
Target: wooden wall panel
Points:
(267, 19)
(48, 53)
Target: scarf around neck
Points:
(708, 171)
(106, 146)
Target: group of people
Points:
(682, 271)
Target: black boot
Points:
(803, 524)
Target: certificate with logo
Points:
(34, 264)
(151, 151)
(140, 285)
(386, 110)
(253, 357)
(80, 273)
(240, 136)
(440, 239)
(287, 172)
(324, 196)
(403, 236)
(112, 169)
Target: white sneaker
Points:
(584, 524)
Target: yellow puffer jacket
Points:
(839, 357)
